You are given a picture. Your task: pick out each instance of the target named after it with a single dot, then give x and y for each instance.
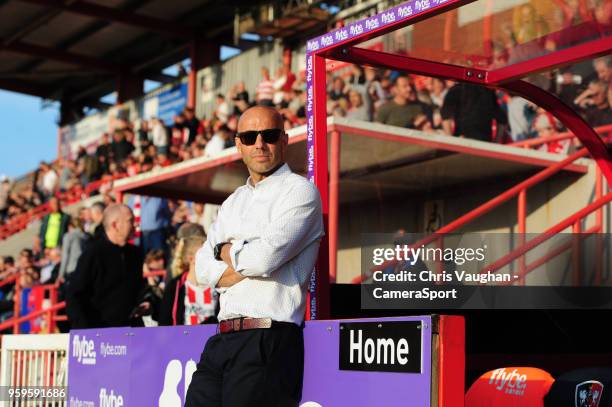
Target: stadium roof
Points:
(74, 50)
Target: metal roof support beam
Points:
(202, 53)
(118, 16)
(19, 87)
(129, 86)
(60, 56)
(590, 49)
(362, 56)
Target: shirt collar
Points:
(276, 176)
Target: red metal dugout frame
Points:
(340, 44)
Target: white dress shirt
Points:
(275, 228)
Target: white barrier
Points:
(34, 361)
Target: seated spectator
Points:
(594, 104)
(239, 93)
(185, 302)
(403, 109)
(568, 89)
(546, 126)
(218, 141)
(603, 67)
(521, 113)
(50, 271)
(121, 147)
(338, 90)
(54, 226)
(357, 109)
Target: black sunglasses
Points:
(269, 136)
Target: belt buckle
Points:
(236, 324)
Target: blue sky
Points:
(29, 133)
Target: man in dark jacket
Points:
(54, 226)
(107, 287)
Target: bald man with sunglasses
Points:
(259, 255)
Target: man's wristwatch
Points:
(217, 250)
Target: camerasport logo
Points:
(509, 382)
(588, 394)
(83, 350)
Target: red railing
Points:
(155, 273)
(571, 221)
(20, 222)
(51, 316)
(539, 141)
(519, 191)
(48, 290)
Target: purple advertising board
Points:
(153, 366)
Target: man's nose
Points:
(259, 142)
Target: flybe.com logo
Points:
(83, 350)
(509, 382)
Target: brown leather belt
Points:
(243, 324)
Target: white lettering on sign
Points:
(509, 382)
(356, 29)
(309, 99)
(404, 11)
(388, 17)
(313, 45)
(310, 128)
(341, 35)
(110, 399)
(382, 350)
(421, 5)
(327, 40)
(309, 69)
(311, 159)
(372, 23)
(83, 350)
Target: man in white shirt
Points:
(259, 255)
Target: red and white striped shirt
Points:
(199, 303)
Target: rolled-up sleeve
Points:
(299, 223)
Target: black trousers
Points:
(258, 367)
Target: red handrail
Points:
(156, 273)
(490, 205)
(557, 137)
(21, 221)
(9, 280)
(549, 256)
(564, 224)
(32, 315)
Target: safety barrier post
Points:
(522, 228)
